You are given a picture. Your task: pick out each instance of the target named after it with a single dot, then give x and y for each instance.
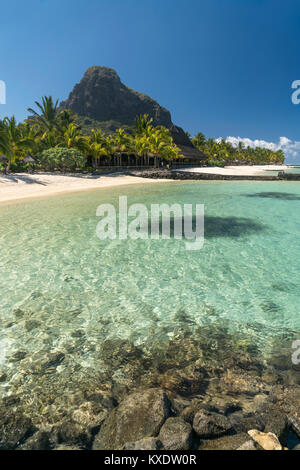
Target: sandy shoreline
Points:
(243, 170)
(19, 186)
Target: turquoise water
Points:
(56, 273)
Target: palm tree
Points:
(121, 143)
(161, 144)
(140, 146)
(65, 118)
(97, 145)
(74, 139)
(199, 141)
(142, 125)
(48, 117)
(13, 142)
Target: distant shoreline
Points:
(18, 186)
(241, 170)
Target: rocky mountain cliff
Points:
(102, 97)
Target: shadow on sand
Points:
(23, 178)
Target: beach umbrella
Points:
(29, 159)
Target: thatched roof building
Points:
(29, 159)
(190, 153)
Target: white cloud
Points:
(291, 148)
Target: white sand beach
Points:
(21, 185)
(243, 170)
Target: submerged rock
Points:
(176, 434)
(3, 377)
(14, 429)
(244, 422)
(71, 433)
(149, 443)
(49, 361)
(209, 425)
(43, 439)
(268, 441)
(31, 325)
(248, 445)
(18, 356)
(140, 415)
(275, 421)
(226, 443)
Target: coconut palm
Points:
(74, 139)
(13, 143)
(48, 118)
(142, 125)
(161, 144)
(98, 145)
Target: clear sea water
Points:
(55, 270)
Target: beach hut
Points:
(192, 156)
(29, 159)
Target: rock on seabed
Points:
(140, 415)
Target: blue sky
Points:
(223, 67)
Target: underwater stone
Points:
(226, 443)
(41, 440)
(3, 377)
(31, 325)
(18, 356)
(275, 421)
(268, 441)
(18, 313)
(209, 425)
(249, 445)
(139, 415)
(176, 434)
(244, 422)
(52, 359)
(71, 433)
(14, 428)
(149, 443)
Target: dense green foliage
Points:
(49, 133)
(220, 152)
(48, 129)
(62, 158)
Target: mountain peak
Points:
(102, 96)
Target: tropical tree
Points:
(98, 145)
(199, 141)
(13, 142)
(48, 116)
(142, 125)
(161, 144)
(73, 138)
(221, 152)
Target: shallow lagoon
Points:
(62, 289)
